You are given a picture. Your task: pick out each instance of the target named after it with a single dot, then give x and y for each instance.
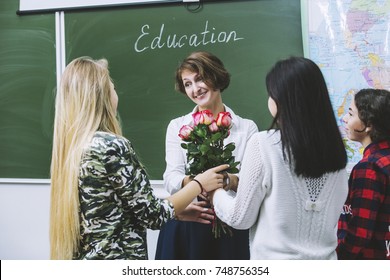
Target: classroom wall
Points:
(24, 219)
(29, 45)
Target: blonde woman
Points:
(101, 199)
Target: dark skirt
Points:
(194, 241)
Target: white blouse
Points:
(289, 217)
(175, 155)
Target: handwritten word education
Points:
(166, 40)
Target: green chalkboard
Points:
(27, 80)
(144, 45)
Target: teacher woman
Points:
(202, 77)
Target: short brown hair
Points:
(209, 67)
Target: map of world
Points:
(350, 41)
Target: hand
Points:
(204, 196)
(197, 212)
(211, 179)
(226, 180)
(188, 179)
(230, 181)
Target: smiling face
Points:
(200, 93)
(355, 129)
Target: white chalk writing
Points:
(172, 40)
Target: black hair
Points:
(310, 137)
(373, 107)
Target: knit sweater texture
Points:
(289, 216)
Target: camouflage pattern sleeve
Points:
(130, 181)
(117, 203)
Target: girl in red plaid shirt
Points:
(364, 226)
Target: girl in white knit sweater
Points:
(293, 182)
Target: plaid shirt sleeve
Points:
(367, 188)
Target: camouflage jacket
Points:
(117, 203)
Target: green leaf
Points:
(216, 136)
(201, 131)
(213, 157)
(207, 142)
(184, 146)
(227, 154)
(232, 170)
(202, 161)
(204, 149)
(230, 147)
(216, 151)
(192, 148)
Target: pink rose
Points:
(185, 132)
(213, 127)
(203, 117)
(224, 119)
(208, 117)
(198, 118)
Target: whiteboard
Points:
(58, 5)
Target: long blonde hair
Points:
(83, 106)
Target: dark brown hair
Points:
(373, 107)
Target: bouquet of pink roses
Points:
(203, 140)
